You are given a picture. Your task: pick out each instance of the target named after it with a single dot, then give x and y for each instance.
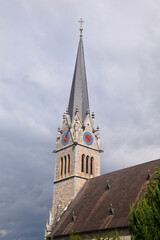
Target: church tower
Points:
(77, 144)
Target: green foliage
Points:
(48, 238)
(116, 236)
(75, 236)
(99, 236)
(144, 221)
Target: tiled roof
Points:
(92, 204)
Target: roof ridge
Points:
(145, 163)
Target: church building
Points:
(84, 201)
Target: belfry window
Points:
(87, 159)
(82, 163)
(65, 164)
(69, 163)
(61, 166)
(91, 167)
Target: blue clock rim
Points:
(85, 139)
(67, 140)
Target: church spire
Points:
(77, 145)
(79, 91)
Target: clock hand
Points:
(88, 138)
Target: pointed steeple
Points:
(75, 139)
(79, 91)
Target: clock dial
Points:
(65, 138)
(88, 138)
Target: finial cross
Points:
(81, 28)
(81, 22)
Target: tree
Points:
(144, 221)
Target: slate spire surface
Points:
(79, 92)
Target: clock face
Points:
(88, 138)
(65, 138)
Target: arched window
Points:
(82, 163)
(87, 159)
(91, 166)
(65, 164)
(68, 163)
(61, 166)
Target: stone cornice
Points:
(73, 176)
(74, 144)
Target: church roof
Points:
(79, 92)
(91, 207)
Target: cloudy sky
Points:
(38, 46)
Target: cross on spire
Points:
(81, 28)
